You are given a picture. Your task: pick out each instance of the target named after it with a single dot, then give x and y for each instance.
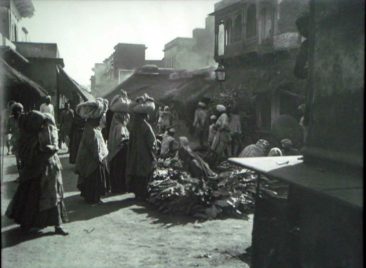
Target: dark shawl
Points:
(141, 157)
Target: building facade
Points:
(46, 68)
(11, 12)
(118, 67)
(32, 70)
(194, 52)
(16, 85)
(257, 41)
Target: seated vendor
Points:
(256, 150)
(168, 137)
(288, 148)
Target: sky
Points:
(87, 30)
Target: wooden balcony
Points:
(278, 42)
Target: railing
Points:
(278, 42)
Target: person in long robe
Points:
(47, 106)
(168, 137)
(200, 122)
(66, 119)
(117, 147)
(13, 125)
(38, 201)
(165, 119)
(76, 132)
(6, 116)
(222, 139)
(91, 160)
(235, 132)
(141, 158)
(212, 130)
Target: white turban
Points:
(184, 142)
(220, 108)
(213, 117)
(92, 109)
(201, 104)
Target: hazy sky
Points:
(86, 31)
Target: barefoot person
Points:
(91, 160)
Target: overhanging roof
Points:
(8, 53)
(12, 76)
(69, 85)
(227, 8)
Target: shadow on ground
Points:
(79, 210)
(166, 220)
(15, 236)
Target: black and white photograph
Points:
(182, 133)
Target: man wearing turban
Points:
(222, 139)
(47, 106)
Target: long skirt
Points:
(24, 207)
(138, 186)
(221, 145)
(117, 174)
(74, 144)
(95, 185)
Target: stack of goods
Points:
(231, 193)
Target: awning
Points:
(138, 84)
(16, 86)
(11, 76)
(7, 53)
(69, 87)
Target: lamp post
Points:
(220, 74)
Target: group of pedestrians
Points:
(219, 130)
(225, 134)
(119, 162)
(122, 162)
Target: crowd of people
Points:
(115, 150)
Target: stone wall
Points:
(336, 88)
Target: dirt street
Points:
(120, 233)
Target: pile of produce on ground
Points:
(229, 194)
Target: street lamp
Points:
(220, 74)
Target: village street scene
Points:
(208, 133)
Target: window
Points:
(221, 40)
(237, 29)
(266, 23)
(228, 32)
(15, 33)
(251, 21)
